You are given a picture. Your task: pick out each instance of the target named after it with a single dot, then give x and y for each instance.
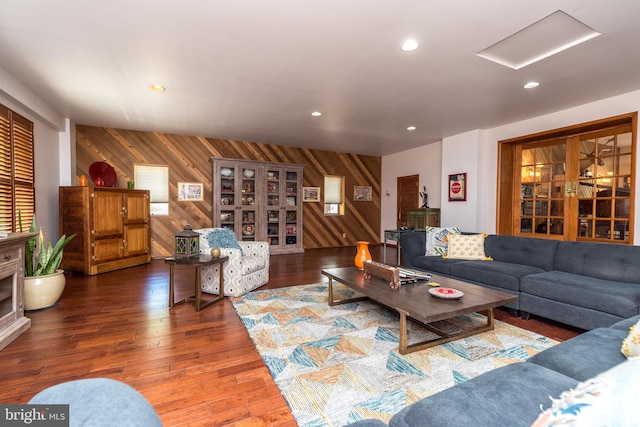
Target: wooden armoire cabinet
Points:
(260, 201)
(112, 227)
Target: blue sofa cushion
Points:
(509, 396)
(620, 299)
(521, 250)
(412, 245)
(606, 261)
(626, 324)
(435, 264)
(584, 356)
(495, 273)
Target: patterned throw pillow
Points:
(438, 240)
(631, 344)
(222, 238)
(466, 246)
(608, 399)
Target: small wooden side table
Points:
(197, 261)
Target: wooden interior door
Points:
(408, 190)
(574, 183)
(544, 171)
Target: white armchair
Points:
(242, 273)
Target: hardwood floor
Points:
(196, 369)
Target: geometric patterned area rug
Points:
(336, 365)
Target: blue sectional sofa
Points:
(514, 395)
(582, 284)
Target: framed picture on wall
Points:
(458, 187)
(362, 193)
(191, 191)
(310, 194)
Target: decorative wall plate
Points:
(103, 171)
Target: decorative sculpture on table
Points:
(187, 243)
(425, 197)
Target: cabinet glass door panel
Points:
(248, 187)
(291, 227)
(248, 224)
(227, 186)
(273, 227)
(292, 189)
(7, 283)
(273, 188)
(227, 219)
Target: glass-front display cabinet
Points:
(259, 201)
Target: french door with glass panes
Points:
(576, 188)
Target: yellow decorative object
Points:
(215, 252)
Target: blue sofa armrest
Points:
(412, 244)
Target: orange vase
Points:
(82, 180)
(363, 255)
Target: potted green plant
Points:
(44, 281)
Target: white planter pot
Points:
(43, 291)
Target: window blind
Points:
(333, 189)
(17, 189)
(154, 178)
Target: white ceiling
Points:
(254, 70)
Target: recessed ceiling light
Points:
(157, 88)
(316, 114)
(410, 128)
(531, 85)
(410, 45)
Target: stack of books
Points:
(412, 276)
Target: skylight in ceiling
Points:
(540, 40)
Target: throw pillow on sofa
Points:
(437, 243)
(466, 246)
(631, 344)
(608, 399)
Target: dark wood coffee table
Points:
(413, 301)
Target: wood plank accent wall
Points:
(188, 158)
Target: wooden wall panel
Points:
(188, 158)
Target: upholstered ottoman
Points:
(98, 402)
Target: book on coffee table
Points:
(412, 276)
